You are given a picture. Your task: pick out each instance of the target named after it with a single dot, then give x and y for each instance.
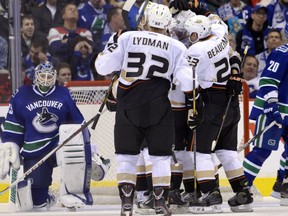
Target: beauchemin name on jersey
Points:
(33, 119)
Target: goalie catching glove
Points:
(9, 156)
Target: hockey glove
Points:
(9, 156)
(111, 102)
(195, 119)
(199, 8)
(271, 110)
(234, 85)
(179, 5)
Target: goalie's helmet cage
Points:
(45, 76)
(199, 24)
(159, 16)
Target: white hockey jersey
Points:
(210, 57)
(146, 55)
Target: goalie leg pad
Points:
(24, 200)
(75, 161)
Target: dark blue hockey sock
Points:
(253, 163)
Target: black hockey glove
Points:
(199, 8)
(179, 5)
(195, 119)
(111, 103)
(234, 84)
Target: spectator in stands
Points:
(93, 16)
(274, 39)
(63, 73)
(254, 32)
(4, 23)
(3, 53)
(27, 33)
(277, 13)
(235, 13)
(47, 15)
(37, 54)
(232, 41)
(60, 38)
(80, 61)
(114, 23)
(249, 70)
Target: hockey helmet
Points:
(159, 16)
(45, 76)
(198, 24)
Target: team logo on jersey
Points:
(45, 122)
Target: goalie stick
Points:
(85, 125)
(253, 138)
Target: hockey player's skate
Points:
(284, 193)
(145, 203)
(241, 202)
(126, 195)
(160, 202)
(277, 188)
(208, 203)
(46, 206)
(176, 204)
(190, 197)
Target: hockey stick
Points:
(194, 133)
(174, 156)
(253, 138)
(214, 142)
(13, 190)
(85, 125)
(125, 11)
(104, 101)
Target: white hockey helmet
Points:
(159, 16)
(199, 24)
(143, 11)
(181, 18)
(100, 167)
(45, 76)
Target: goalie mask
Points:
(200, 25)
(159, 16)
(45, 77)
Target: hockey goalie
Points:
(36, 122)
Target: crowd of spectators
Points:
(74, 32)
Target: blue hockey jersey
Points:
(274, 79)
(33, 119)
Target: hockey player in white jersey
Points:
(211, 57)
(147, 59)
(37, 118)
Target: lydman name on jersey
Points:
(218, 48)
(150, 42)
